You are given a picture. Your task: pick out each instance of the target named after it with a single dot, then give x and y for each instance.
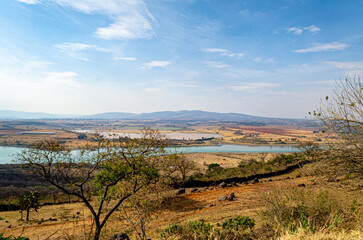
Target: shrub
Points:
(200, 227)
(292, 208)
(173, 229)
(239, 223)
(12, 237)
(213, 165)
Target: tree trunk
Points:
(97, 233)
(27, 214)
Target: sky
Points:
(259, 57)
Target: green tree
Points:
(28, 201)
(116, 169)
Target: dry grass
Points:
(301, 234)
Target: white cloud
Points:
(73, 48)
(264, 60)
(295, 30)
(346, 65)
(214, 50)
(80, 47)
(223, 52)
(235, 55)
(154, 63)
(216, 64)
(251, 86)
(322, 47)
(125, 58)
(127, 27)
(36, 65)
(299, 30)
(55, 80)
(130, 19)
(29, 1)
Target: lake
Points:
(7, 153)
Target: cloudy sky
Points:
(260, 57)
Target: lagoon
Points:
(7, 154)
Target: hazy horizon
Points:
(261, 58)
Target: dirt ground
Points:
(74, 219)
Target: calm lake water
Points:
(7, 153)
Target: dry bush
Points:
(341, 116)
(301, 234)
(291, 209)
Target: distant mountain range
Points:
(164, 115)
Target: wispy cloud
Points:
(214, 50)
(299, 30)
(252, 86)
(323, 47)
(73, 49)
(36, 65)
(216, 64)
(130, 19)
(153, 64)
(29, 1)
(80, 47)
(127, 27)
(346, 65)
(125, 58)
(223, 52)
(61, 79)
(264, 60)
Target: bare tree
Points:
(116, 169)
(182, 166)
(342, 119)
(140, 209)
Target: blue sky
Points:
(267, 58)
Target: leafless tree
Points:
(342, 119)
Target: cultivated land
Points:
(233, 132)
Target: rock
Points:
(206, 188)
(194, 190)
(256, 180)
(180, 191)
(331, 179)
(301, 185)
(222, 185)
(223, 198)
(120, 236)
(229, 185)
(231, 197)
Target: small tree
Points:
(342, 116)
(116, 169)
(140, 209)
(182, 166)
(28, 201)
(310, 149)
